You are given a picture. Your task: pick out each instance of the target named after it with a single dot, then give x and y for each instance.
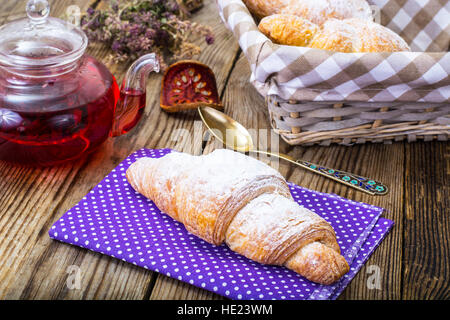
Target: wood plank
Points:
(171, 289)
(369, 160)
(35, 198)
(426, 221)
(13, 9)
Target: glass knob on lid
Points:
(38, 10)
(40, 41)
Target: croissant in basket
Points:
(356, 35)
(264, 8)
(288, 29)
(229, 197)
(348, 35)
(316, 11)
(319, 11)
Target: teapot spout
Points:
(131, 104)
(136, 76)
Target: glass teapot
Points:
(56, 102)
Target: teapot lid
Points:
(39, 40)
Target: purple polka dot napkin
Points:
(115, 220)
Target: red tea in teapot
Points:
(73, 115)
(56, 102)
(47, 122)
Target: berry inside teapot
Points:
(56, 102)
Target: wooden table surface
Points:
(413, 260)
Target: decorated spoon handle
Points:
(360, 183)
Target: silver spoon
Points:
(241, 141)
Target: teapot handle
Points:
(132, 100)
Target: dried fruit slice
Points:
(187, 85)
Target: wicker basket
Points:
(307, 123)
(316, 114)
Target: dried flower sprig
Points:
(132, 28)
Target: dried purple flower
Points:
(90, 11)
(115, 7)
(132, 28)
(209, 39)
(116, 46)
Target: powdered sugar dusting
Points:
(356, 35)
(319, 11)
(200, 185)
(266, 224)
(212, 181)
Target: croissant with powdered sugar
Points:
(228, 197)
(316, 11)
